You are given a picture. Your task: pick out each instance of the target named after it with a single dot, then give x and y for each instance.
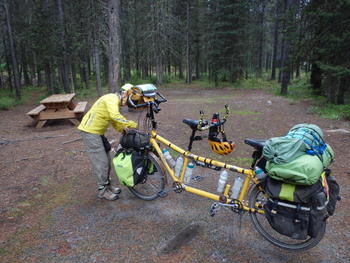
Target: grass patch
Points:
(301, 89)
(256, 83)
(244, 113)
(7, 102)
(181, 84)
(8, 99)
(242, 162)
(332, 111)
(3, 251)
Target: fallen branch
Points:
(6, 141)
(25, 159)
(74, 140)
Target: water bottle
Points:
(178, 165)
(169, 158)
(236, 188)
(260, 174)
(189, 172)
(222, 181)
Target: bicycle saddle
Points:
(194, 123)
(257, 144)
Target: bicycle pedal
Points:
(162, 194)
(197, 178)
(213, 209)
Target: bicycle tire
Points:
(154, 182)
(257, 197)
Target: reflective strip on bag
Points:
(303, 208)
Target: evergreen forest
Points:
(72, 45)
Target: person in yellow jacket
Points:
(93, 126)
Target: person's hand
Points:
(126, 130)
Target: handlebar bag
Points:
(129, 167)
(141, 94)
(135, 139)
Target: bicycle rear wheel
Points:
(154, 181)
(257, 199)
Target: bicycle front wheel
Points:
(257, 200)
(154, 182)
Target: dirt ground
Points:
(49, 211)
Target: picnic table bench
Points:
(58, 106)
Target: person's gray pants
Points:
(99, 158)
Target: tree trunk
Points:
(97, 69)
(136, 34)
(316, 79)
(285, 61)
(85, 77)
(275, 39)
(73, 76)
(285, 67)
(188, 43)
(343, 85)
(17, 80)
(261, 38)
(157, 42)
(65, 67)
(48, 78)
(25, 66)
(114, 47)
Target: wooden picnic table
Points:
(58, 106)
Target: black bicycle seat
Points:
(194, 123)
(257, 144)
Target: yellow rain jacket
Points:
(104, 111)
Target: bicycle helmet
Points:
(220, 146)
(125, 92)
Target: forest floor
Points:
(49, 211)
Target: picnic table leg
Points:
(74, 121)
(40, 124)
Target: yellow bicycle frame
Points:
(250, 174)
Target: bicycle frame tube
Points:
(250, 175)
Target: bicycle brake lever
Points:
(227, 111)
(200, 121)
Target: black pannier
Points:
(302, 213)
(134, 139)
(334, 190)
(287, 218)
(318, 214)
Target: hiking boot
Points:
(107, 194)
(114, 190)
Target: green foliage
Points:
(256, 83)
(301, 89)
(298, 88)
(7, 102)
(332, 111)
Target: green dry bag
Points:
(127, 167)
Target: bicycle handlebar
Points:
(200, 128)
(155, 102)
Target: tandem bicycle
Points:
(251, 197)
